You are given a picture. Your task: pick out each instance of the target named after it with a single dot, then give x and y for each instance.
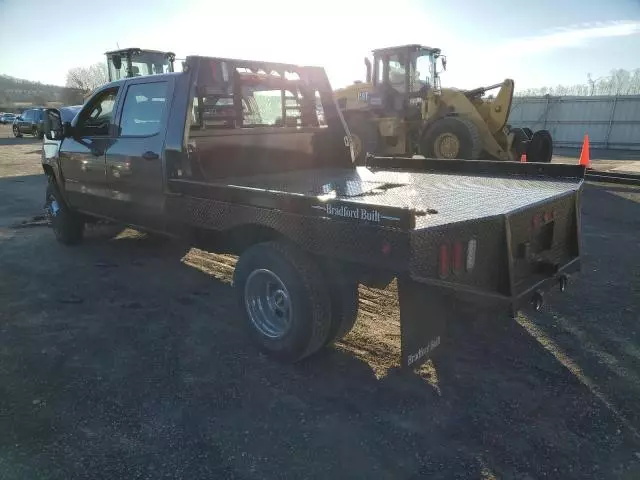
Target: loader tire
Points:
(452, 138)
(285, 299)
(364, 132)
(520, 142)
(540, 147)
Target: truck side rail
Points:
(336, 210)
(476, 167)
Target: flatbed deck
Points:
(435, 198)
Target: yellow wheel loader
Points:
(402, 109)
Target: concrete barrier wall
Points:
(611, 121)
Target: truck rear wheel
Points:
(285, 299)
(451, 138)
(68, 226)
(364, 133)
(344, 304)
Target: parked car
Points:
(7, 118)
(30, 123)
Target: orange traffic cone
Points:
(584, 154)
(523, 158)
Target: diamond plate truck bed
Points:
(522, 222)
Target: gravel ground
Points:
(123, 358)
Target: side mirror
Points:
(52, 124)
(67, 130)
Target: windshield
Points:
(397, 71)
(150, 64)
(423, 73)
(146, 63)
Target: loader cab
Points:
(402, 74)
(133, 62)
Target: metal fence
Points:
(611, 121)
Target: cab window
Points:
(97, 118)
(143, 109)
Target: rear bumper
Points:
(490, 300)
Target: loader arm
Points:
(494, 111)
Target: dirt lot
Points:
(123, 358)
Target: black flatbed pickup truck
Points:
(254, 158)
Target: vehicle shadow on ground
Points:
(595, 325)
(21, 198)
(119, 357)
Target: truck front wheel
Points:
(286, 302)
(67, 225)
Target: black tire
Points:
(529, 132)
(16, 132)
(464, 131)
(310, 301)
(68, 226)
(520, 142)
(38, 133)
(344, 303)
(540, 147)
(365, 129)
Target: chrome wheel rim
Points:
(268, 303)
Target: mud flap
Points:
(424, 312)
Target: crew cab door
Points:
(135, 159)
(82, 155)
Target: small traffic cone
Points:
(584, 154)
(523, 158)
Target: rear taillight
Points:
(540, 219)
(457, 257)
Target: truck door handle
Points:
(149, 155)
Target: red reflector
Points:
(536, 221)
(457, 257)
(386, 248)
(444, 260)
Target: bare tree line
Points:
(87, 78)
(619, 82)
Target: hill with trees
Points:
(17, 94)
